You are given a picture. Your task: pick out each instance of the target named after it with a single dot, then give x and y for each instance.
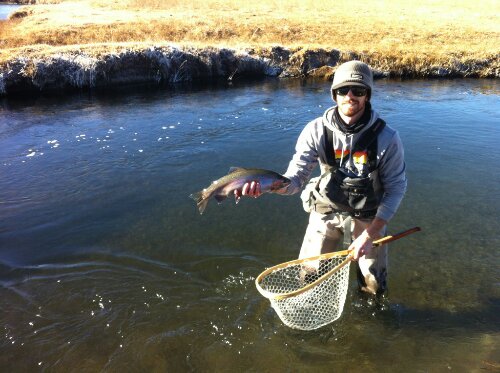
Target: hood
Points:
(341, 140)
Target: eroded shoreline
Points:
(83, 69)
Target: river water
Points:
(106, 265)
(6, 10)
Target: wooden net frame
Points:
(309, 293)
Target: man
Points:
(362, 178)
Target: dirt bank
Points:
(67, 69)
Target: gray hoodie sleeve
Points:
(305, 159)
(392, 175)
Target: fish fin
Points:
(220, 197)
(235, 169)
(200, 200)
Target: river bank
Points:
(108, 66)
(59, 45)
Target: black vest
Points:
(357, 196)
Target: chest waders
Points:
(355, 196)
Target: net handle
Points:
(330, 273)
(395, 237)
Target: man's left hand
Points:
(361, 246)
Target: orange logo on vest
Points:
(360, 157)
(341, 154)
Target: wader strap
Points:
(347, 232)
(330, 157)
(370, 135)
(370, 143)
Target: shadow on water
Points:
(482, 320)
(114, 95)
(485, 318)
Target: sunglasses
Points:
(356, 91)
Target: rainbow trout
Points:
(220, 189)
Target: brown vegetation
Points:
(402, 37)
(393, 28)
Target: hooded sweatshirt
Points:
(310, 151)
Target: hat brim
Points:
(350, 84)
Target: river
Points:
(6, 10)
(106, 265)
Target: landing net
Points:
(307, 293)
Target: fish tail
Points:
(200, 200)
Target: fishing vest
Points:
(357, 196)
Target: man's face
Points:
(351, 100)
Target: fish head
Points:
(280, 182)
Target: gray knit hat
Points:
(353, 73)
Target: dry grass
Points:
(405, 31)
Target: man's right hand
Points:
(251, 189)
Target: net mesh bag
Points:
(307, 293)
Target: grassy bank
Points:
(401, 37)
(395, 28)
